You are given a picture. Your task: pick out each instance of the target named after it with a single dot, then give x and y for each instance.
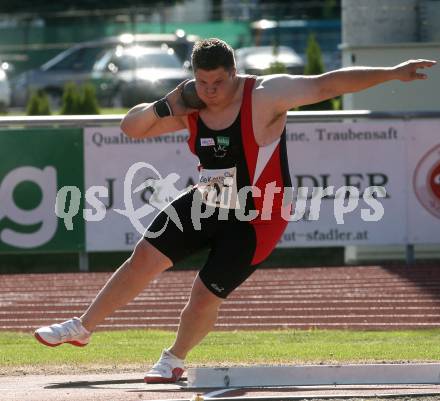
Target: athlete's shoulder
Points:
(284, 91)
(271, 81)
(268, 88)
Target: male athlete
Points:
(239, 138)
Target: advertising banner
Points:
(367, 159)
(424, 181)
(35, 165)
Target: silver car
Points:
(257, 60)
(128, 76)
(83, 63)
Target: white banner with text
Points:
(122, 176)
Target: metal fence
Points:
(297, 116)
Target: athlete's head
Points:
(214, 70)
(210, 54)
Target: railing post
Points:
(83, 259)
(410, 254)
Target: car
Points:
(256, 60)
(77, 64)
(128, 76)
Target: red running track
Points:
(372, 297)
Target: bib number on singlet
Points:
(219, 187)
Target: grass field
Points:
(133, 347)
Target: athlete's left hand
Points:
(407, 71)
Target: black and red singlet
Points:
(231, 165)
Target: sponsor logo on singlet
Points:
(207, 142)
(223, 140)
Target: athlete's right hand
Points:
(175, 101)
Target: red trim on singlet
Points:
(247, 132)
(192, 123)
(271, 173)
(267, 232)
(272, 170)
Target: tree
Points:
(88, 102)
(79, 100)
(315, 66)
(38, 104)
(71, 99)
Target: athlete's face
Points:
(215, 86)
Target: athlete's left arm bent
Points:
(285, 92)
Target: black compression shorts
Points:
(232, 244)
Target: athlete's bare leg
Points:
(145, 263)
(196, 320)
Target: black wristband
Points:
(162, 108)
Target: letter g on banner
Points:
(43, 214)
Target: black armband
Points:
(162, 108)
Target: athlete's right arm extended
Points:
(141, 121)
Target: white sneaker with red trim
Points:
(71, 331)
(168, 369)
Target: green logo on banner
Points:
(223, 140)
(36, 163)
